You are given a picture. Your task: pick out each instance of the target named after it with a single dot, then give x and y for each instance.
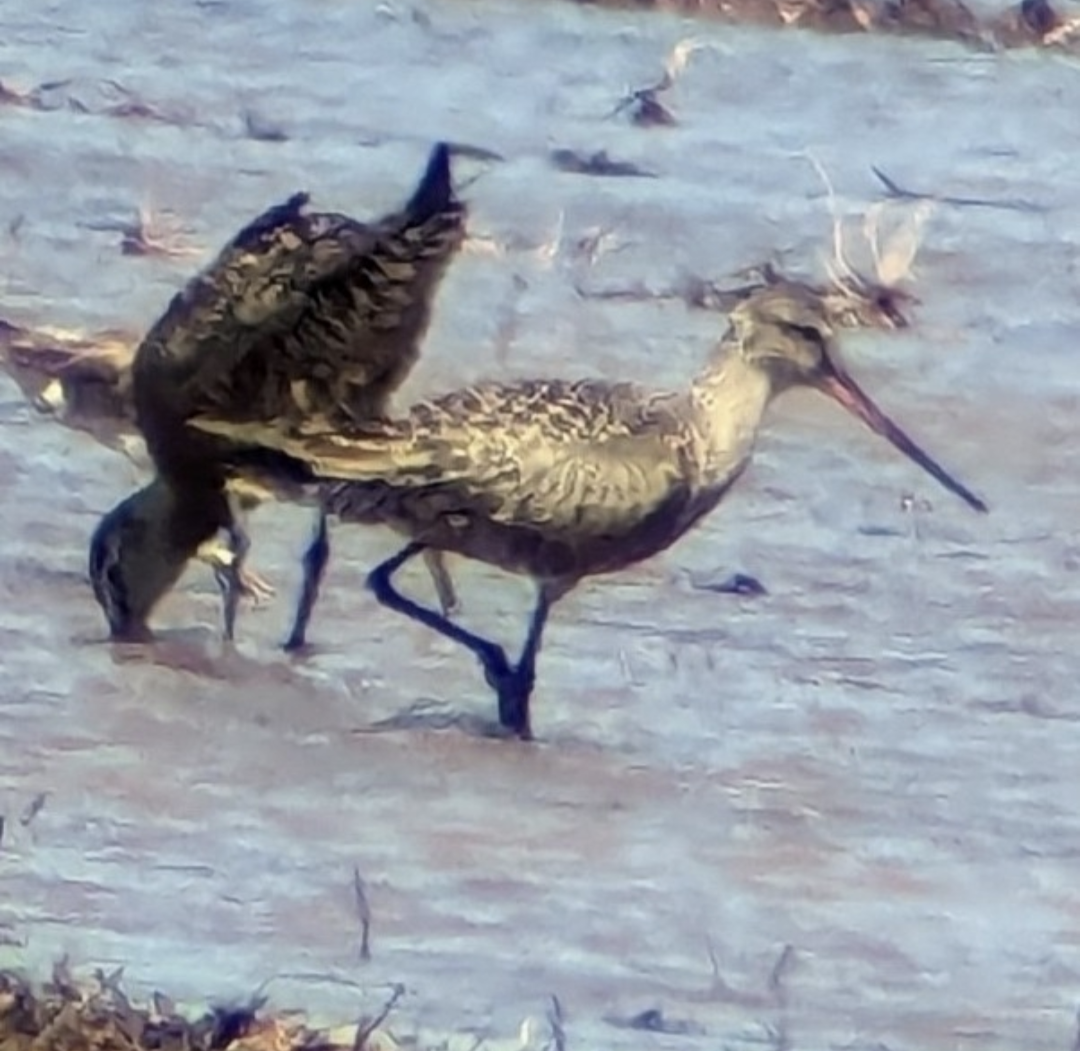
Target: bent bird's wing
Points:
(302, 312)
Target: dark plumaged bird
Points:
(304, 320)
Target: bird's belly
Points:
(532, 548)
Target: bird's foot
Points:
(296, 644)
(513, 686)
(222, 559)
(256, 587)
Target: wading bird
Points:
(563, 480)
(304, 319)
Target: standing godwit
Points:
(559, 480)
(303, 319)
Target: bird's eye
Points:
(810, 333)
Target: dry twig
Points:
(364, 1030)
(556, 1019)
(900, 193)
(645, 107)
(33, 808)
(152, 235)
(363, 911)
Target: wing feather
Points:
(557, 455)
(301, 314)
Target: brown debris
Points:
(647, 111)
(891, 232)
(152, 235)
(937, 18)
(1034, 23)
(598, 163)
(104, 97)
(645, 108)
(1030, 23)
(845, 304)
(66, 1015)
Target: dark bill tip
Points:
(841, 387)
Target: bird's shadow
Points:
(199, 651)
(430, 714)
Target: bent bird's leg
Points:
(440, 577)
(513, 684)
(315, 558)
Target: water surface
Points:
(874, 764)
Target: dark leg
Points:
(315, 558)
(513, 684)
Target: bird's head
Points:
(137, 553)
(784, 333)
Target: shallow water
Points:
(874, 764)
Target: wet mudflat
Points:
(874, 764)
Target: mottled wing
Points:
(556, 455)
(301, 315)
(215, 346)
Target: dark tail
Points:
(435, 193)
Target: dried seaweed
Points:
(100, 97)
(1029, 23)
(643, 104)
(598, 163)
(69, 1014)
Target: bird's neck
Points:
(729, 399)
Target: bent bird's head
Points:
(137, 553)
(787, 336)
